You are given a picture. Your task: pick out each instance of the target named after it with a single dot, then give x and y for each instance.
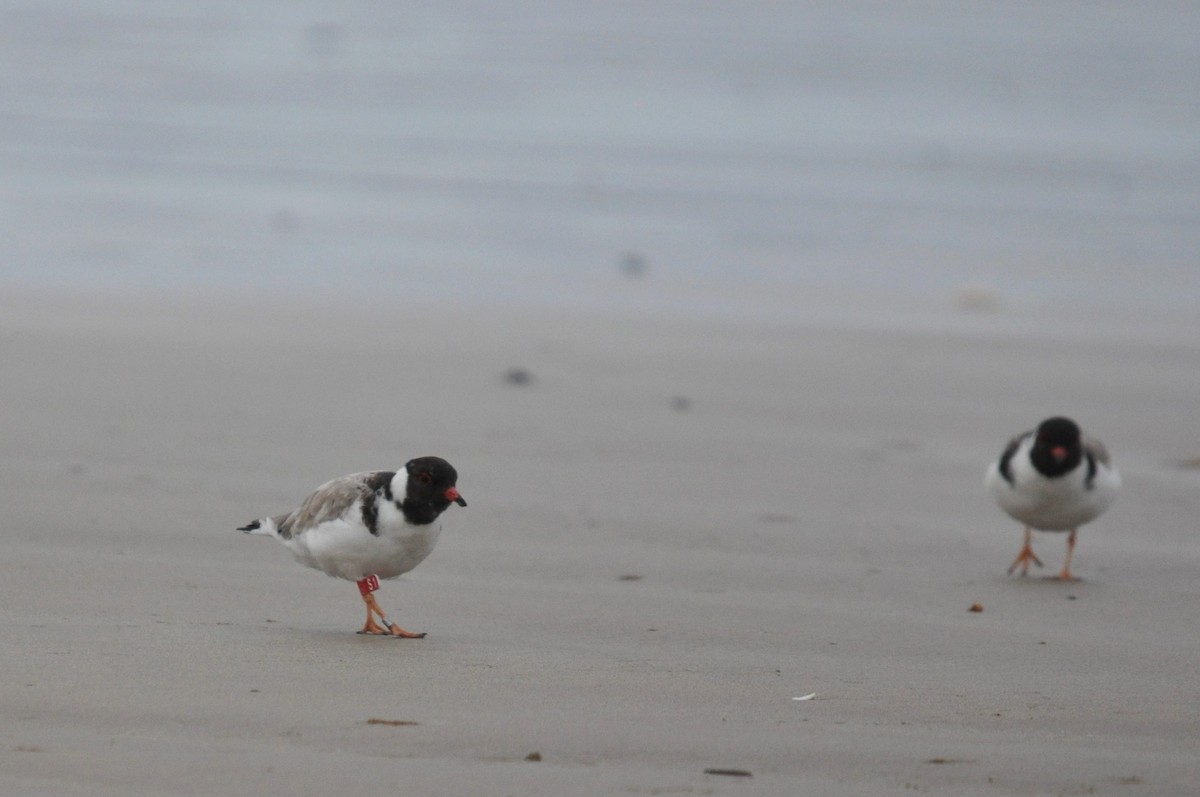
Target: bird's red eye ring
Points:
(425, 477)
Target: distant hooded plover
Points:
(1052, 478)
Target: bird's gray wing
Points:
(331, 500)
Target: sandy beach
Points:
(784, 277)
(674, 529)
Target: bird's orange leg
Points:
(366, 587)
(371, 627)
(1025, 556)
(1065, 575)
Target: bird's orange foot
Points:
(365, 588)
(393, 630)
(397, 631)
(1065, 575)
(371, 627)
(1023, 559)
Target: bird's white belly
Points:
(1054, 504)
(347, 550)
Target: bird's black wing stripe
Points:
(1006, 460)
(1089, 480)
(370, 513)
(378, 482)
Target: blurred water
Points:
(751, 154)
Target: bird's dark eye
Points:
(425, 477)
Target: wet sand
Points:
(675, 528)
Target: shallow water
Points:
(768, 158)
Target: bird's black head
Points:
(1056, 447)
(431, 488)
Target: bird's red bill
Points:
(452, 495)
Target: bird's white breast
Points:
(1058, 504)
(345, 548)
